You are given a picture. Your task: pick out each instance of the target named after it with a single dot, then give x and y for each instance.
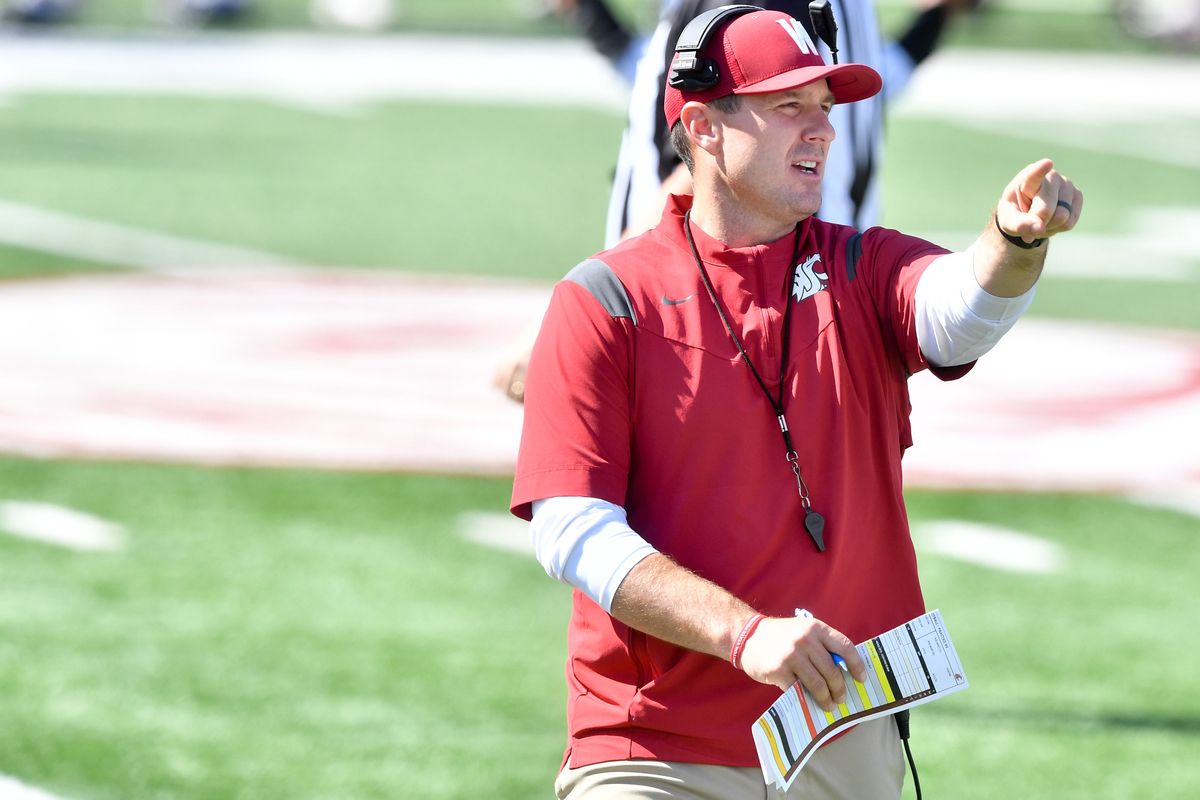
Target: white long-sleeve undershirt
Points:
(957, 321)
(587, 542)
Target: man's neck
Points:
(727, 222)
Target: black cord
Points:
(814, 523)
(912, 765)
(901, 718)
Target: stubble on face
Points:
(773, 155)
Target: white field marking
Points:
(989, 546)
(961, 84)
(1029, 6)
(1184, 501)
(496, 529)
(77, 237)
(339, 73)
(13, 789)
(1057, 7)
(65, 527)
(1162, 245)
(1168, 145)
(316, 72)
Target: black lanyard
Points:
(814, 523)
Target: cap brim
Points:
(848, 82)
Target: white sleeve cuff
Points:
(957, 321)
(586, 543)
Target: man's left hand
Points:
(1039, 203)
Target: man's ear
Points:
(702, 126)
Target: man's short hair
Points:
(729, 104)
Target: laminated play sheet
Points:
(911, 664)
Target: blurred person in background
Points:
(605, 31)
(39, 12)
(1174, 23)
(648, 170)
(198, 13)
(352, 15)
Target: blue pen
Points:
(841, 662)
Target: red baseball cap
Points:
(769, 51)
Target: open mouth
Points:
(809, 167)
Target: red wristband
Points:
(735, 652)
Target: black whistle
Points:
(814, 523)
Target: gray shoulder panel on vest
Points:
(604, 285)
(853, 254)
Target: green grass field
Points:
(315, 635)
(308, 634)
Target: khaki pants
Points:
(864, 764)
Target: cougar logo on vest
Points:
(808, 281)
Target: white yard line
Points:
(336, 73)
(318, 72)
(1168, 145)
(121, 245)
(13, 789)
(58, 525)
(496, 530)
(1163, 245)
(965, 85)
(975, 543)
(1030, 6)
(989, 546)
(1183, 501)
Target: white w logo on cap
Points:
(799, 35)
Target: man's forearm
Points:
(670, 602)
(667, 601)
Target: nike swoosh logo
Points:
(667, 301)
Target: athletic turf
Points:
(286, 634)
(312, 635)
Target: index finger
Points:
(843, 653)
(1029, 180)
(849, 659)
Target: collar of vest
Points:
(771, 255)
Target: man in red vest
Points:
(715, 416)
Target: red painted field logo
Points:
(391, 372)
